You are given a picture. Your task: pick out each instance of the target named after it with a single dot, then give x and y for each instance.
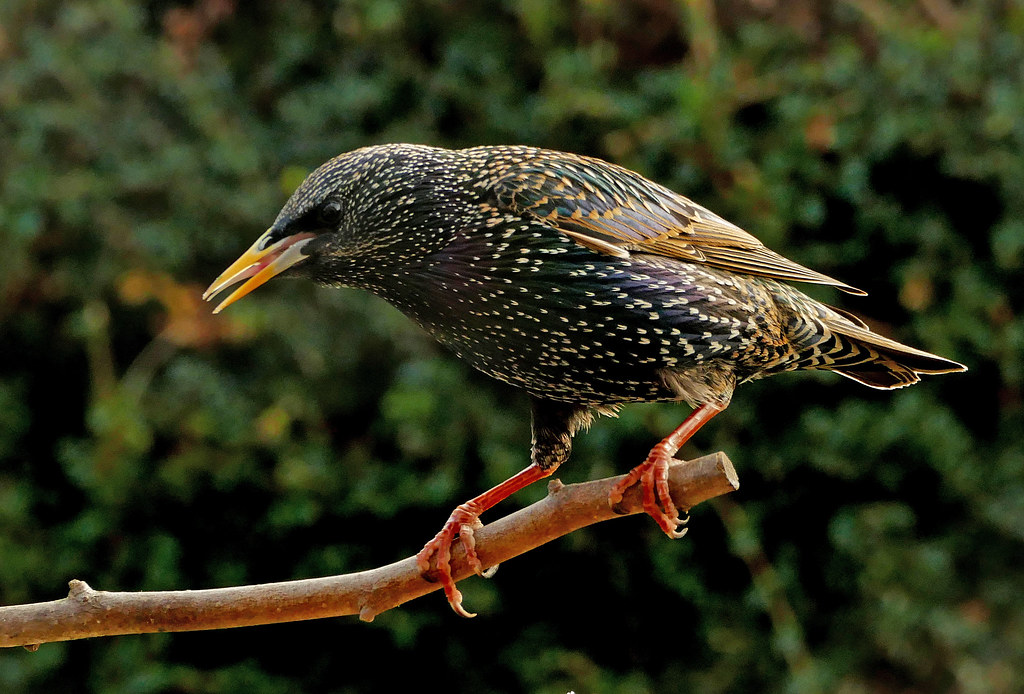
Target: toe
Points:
(439, 551)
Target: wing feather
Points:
(612, 210)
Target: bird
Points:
(576, 280)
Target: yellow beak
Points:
(258, 265)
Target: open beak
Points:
(257, 265)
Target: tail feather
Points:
(879, 362)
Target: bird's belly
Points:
(558, 367)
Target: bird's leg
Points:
(553, 427)
(653, 472)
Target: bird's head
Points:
(348, 218)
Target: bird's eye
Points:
(330, 213)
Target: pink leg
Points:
(464, 519)
(653, 472)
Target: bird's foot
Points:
(657, 500)
(653, 472)
(461, 525)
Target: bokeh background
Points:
(876, 542)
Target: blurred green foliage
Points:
(144, 444)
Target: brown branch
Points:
(86, 612)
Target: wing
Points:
(612, 210)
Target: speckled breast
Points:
(531, 308)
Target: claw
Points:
(465, 519)
(657, 499)
(653, 472)
(460, 525)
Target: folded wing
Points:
(614, 211)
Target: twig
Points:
(86, 613)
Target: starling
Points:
(578, 281)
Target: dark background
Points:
(875, 545)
